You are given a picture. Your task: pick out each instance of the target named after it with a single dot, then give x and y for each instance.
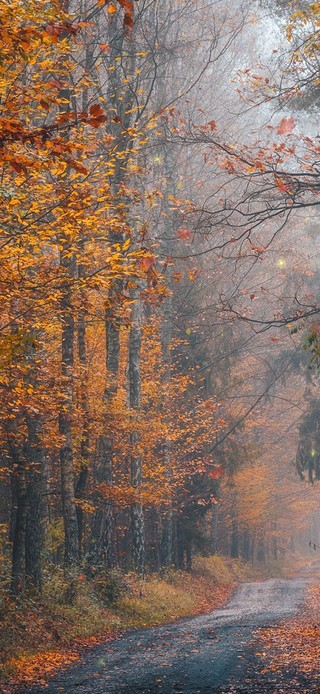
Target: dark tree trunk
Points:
(65, 424)
(234, 546)
(167, 538)
(179, 545)
(261, 553)
(214, 527)
(101, 549)
(246, 545)
(34, 528)
(102, 535)
(274, 541)
(188, 548)
(19, 534)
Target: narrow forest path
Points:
(210, 653)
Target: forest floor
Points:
(39, 639)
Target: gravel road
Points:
(210, 653)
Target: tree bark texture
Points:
(19, 533)
(137, 515)
(65, 426)
(34, 527)
(84, 405)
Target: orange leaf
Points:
(147, 262)
(281, 184)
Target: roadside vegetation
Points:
(38, 637)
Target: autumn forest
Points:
(159, 341)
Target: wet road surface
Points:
(209, 653)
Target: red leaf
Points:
(95, 110)
(286, 126)
(217, 473)
(184, 234)
(213, 125)
(128, 21)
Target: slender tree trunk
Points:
(214, 527)
(274, 541)
(234, 546)
(179, 545)
(65, 423)
(120, 100)
(246, 545)
(137, 515)
(19, 534)
(261, 554)
(34, 528)
(112, 369)
(167, 248)
(188, 548)
(167, 515)
(102, 536)
(84, 405)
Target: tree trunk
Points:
(34, 528)
(246, 545)
(65, 425)
(102, 545)
(85, 437)
(137, 515)
(274, 541)
(234, 546)
(19, 534)
(214, 527)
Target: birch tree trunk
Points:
(166, 339)
(137, 515)
(85, 436)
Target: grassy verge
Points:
(37, 637)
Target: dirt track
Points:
(210, 653)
